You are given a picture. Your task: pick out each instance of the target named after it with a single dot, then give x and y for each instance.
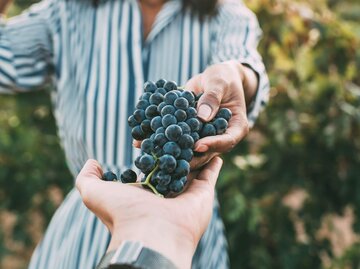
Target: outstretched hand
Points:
(172, 227)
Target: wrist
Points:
(158, 235)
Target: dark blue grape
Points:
(172, 148)
(181, 103)
(139, 115)
(137, 162)
(194, 124)
(163, 178)
(145, 126)
(184, 180)
(162, 91)
(182, 168)
(156, 98)
(186, 142)
(170, 86)
(184, 127)
(168, 120)
(220, 125)
(109, 176)
(224, 113)
(156, 123)
(170, 98)
(142, 104)
(150, 87)
(208, 130)
(167, 163)
(160, 140)
(188, 96)
(152, 136)
(173, 132)
(147, 146)
(158, 151)
(180, 115)
(162, 189)
(151, 112)
(137, 133)
(128, 176)
(186, 154)
(191, 112)
(168, 109)
(160, 107)
(160, 83)
(195, 136)
(145, 96)
(160, 130)
(147, 163)
(132, 122)
(176, 186)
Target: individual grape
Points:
(195, 136)
(172, 148)
(224, 113)
(156, 98)
(147, 163)
(139, 115)
(163, 178)
(182, 168)
(180, 115)
(168, 120)
(146, 96)
(191, 112)
(162, 189)
(137, 133)
(109, 176)
(160, 130)
(158, 151)
(208, 130)
(168, 109)
(173, 132)
(160, 140)
(186, 142)
(186, 154)
(183, 180)
(147, 146)
(188, 96)
(181, 103)
(160, 107)
(128, 176)
(151, 112)
(167, 163)
(142, 104)
(156, 123)
(170, 86)
(132, 122)
(145, 126)
(137, 162)
(176, 186)
(184, 127)
(160, 83)
(162, 91)
(220, 125)
(170, 98)
(194, 124)
(150, 87)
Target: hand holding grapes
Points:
(131, 213)
(231, 85)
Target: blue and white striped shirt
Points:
(98, 60)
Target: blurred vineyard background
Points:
(290, 193)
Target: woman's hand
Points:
(231, 85)
(172, 227)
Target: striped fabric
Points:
(98, 61)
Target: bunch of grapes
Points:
(166, 122)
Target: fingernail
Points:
(204, 111)
(202, 148)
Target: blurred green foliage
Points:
(305, 148)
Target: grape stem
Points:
(147, 182)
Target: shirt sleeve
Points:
(26, 50)
(236, 37)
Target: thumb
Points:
(210, 101)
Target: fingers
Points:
(137, 144)
(198, 162)
(194, 84)
(238, 129)
(89, 173)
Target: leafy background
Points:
(290, 193)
